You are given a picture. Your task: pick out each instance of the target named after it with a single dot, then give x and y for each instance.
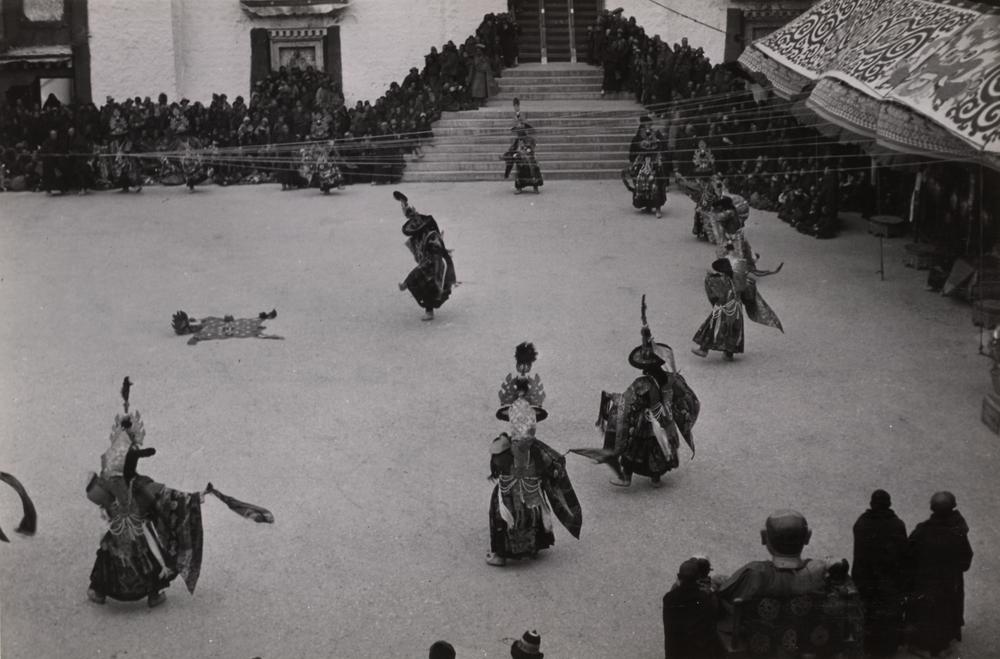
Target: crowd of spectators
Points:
(253, 139)
(755, 143)
(897, 590)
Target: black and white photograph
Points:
(499, 328)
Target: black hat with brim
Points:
(659, 356)
(540, 413)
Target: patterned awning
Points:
(920, 76)
(269, 8)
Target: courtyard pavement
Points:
(366, 431)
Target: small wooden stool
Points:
(885, 226)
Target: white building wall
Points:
(194, 48)
(131, 48)
(673, 27)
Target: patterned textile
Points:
(723, 328)
(144, 512)
(757, 309)
(922, 76)
(178, 525)
(228, 327)
(242, 508)
(532, 486)
(644, 179)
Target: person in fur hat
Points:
(528, 646)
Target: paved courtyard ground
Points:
(366, 431)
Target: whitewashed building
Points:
(83, 49)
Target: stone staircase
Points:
(579, 134)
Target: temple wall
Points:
(194, 48)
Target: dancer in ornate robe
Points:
(431, 281)
(645, 177)
(532, 485)
(521, 158)
(729, 291)
(642, 426)
(154, 531)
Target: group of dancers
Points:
(642, 427)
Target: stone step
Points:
(534, 88)
(497, 164)
(549, 96)
(538, 122)
(551, 70)
(615, 153)
(550, 81)
(454, 135)
(564, 175)
(459, 151)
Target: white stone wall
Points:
(672, 27)
(194, 48)
(131, 48)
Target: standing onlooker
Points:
(689, 615)
(879, 549)
(938, 555)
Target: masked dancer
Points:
(645, 177)
(641, 426)
(532, 484)
(431, 281)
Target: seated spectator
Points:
(806, 606)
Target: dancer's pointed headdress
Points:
(650, 353)
(126, 432)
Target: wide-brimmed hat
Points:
(723, 266)
(650, 353)
(529, 645)
(540, 414)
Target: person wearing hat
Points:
(521, 156)
(150, 524)
(690, 612)
(431, 281)
(877, 570)
(528, 646)
(723, 328)
(532, 484)
(938, 556)
(480, 77)
(645, 177)
(655, 408)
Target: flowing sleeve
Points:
(178, 525)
